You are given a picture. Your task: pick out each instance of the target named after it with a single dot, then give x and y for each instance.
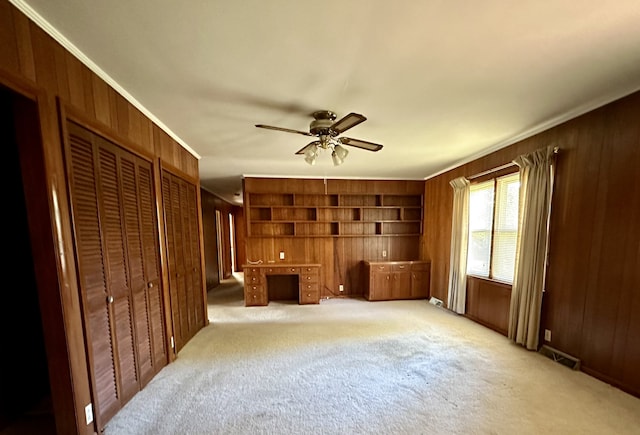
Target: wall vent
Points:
(560, 357)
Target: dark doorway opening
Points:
(25, 395)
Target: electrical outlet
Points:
(341, 287)
(281, 255)
(88, 413)
(547, 335)
(384, 254)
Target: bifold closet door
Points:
(116, 237)
(183, 255)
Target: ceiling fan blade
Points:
(370, 146)
(288, 130)
(306, 147)
(348, 121)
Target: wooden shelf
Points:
(333, 215)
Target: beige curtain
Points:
(459, 245)
(536, 187)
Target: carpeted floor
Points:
(349, 366)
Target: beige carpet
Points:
(350, 366)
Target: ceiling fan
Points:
(327, 129)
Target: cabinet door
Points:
(419, 284)
(380, 286)
(401, 285)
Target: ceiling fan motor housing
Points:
(321, 125)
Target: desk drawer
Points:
(309, 278)
(309, 287)
(309, 296)
(253, 279)
(255, 295)
(283, 270)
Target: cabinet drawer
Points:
(401, 267)
(283, 270)
(255, 295)
(305, 279)
(309, 287)
(309, 297)
(310, 270)
(254, 300)
(254, 288)
(420, 266)
(253, 279)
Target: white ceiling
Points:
(440, 81)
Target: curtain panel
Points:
(457, 292)
(536, 187)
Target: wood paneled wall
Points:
(341, 257)
(592, 299)
(36, 66)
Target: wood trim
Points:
(48, 225)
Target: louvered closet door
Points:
(194, 262)
(92, 271)
(151, 252)
(118, 280)
(183, 252)
(141, 232)
(117, 245)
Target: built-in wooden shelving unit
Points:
(340, 215)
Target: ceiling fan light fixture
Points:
(338, 155)
(311, 154)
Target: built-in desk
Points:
(256, 290)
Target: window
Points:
(493, 227)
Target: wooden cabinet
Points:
(396, 280)
(256, 291)
(116, 238)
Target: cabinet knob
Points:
(308, 277)
(254, 287)
(150, 285)
(292, 269)
(308, 295)
(110, 299)
(388, 277)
